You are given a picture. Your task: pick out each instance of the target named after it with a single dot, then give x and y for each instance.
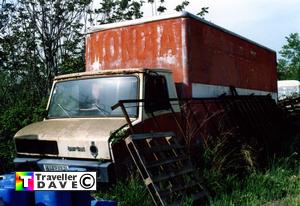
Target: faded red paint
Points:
(219, 58)
(156, 44)
(195, 51)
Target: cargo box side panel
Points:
(222, 59)
(157, 44)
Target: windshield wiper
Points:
(105, 113)
(64, 110)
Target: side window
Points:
(156, 93)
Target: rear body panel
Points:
(198, 53)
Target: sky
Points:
(266, 22)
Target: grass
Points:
(131, 192)
(279, 185)
(127, 192)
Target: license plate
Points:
(56, 168)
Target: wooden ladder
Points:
(166, 168)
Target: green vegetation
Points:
(289, 63)
(128, 192)
(278, 184)
(131, 192)
(7, 153)
(118, 135)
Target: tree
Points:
(38, 40)
(289, 64)
(43, 35)
(182, 6)
(119, 10)
(57, 27)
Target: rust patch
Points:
(152, 45)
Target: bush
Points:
(19, 115)
(13, 119)
(7, 154)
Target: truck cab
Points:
(75, 134)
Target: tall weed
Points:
(280, 182)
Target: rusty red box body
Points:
(201, 55)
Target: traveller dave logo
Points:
(56, 181)
(24, 181)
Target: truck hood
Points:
(71, 138)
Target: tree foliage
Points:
(289, 63)
(118, 10)
(158, 6)
(39, 39)
(182, 6)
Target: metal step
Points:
(168, 161)
(165, 168)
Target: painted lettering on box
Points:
(156, 45)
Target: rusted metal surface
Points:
(106, 73)
(195, 51)
(256, 120)
(219, 58)
(155, 44)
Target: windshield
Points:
(93, 97)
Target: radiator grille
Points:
(36, 146)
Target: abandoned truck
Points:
(166, 57)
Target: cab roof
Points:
(108, 72)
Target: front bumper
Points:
(104, 169)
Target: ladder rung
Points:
(169, 161)
(162, 148)
(172, 174)
(152, 135)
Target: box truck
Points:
(147, 60)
